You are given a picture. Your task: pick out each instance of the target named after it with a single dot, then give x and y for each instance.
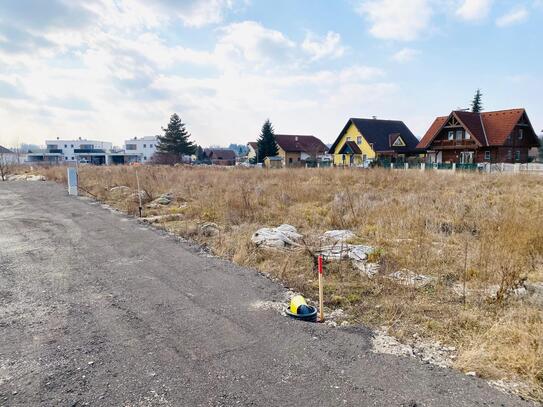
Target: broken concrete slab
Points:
(281, 237)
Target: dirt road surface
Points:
(96, 309)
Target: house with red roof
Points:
(504, 136)
(297, 150)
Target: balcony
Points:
(453, 144)
(89, 151)
(54, 151)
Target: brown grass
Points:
(472, 229)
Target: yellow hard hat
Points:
(295, 302)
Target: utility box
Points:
(72, 181)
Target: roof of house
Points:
(300, 144)
(382, 134)
(274, 158)
(253, 144)
(488, 128)
(220, 153)
(352, 147)
(4, 150)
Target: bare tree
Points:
(6, 165)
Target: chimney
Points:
(58, 138)
(374, 117)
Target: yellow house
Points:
(365, 140)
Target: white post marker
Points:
(72, 181)
(321, 301)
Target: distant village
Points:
(460, 139)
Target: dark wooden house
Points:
(504, 136)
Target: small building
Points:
(365, 140)
(296, 151)
(221, 156)
(462, 137)
(273, 162)
(143, 148)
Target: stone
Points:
(408, 278)
(336, 236)
(209, 229)
(281, 237)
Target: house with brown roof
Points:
(297, 150)
(220, 156)
(504, 136)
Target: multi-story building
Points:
(144, 147)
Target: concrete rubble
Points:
(209, 229)
(25, 177)
(426, 351)
(162, 200)
(408, 278)
(281, 237)
(336, 236)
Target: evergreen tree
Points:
(266, 145)
(477, 103)
(200, 154)
(175, 140)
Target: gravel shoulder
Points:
(98, 309)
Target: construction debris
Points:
(337, 236)
(282, 237)
(25, 177)
(408, 278)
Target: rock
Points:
(408, 278)
(281, 237)
(162, 200)
(25, 177)
(472, 374)
(535, 290)
(120, 188)
(336, 236)
(369, 269)
(161, 218)
(209, 229)
(358, 254)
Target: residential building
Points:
(144, 147)
(221, 156)
(273, 162)
(8, 156)
(80, 151)
(504, 136)
(365, 140)
(297, 150)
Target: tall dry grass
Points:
(469, 230)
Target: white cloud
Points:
(473, 10)
(402, 20)
(514, 16)
(320, 48)
(406, 55)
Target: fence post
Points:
(406, 166)
(422, 166)
(72, 181)
(453, 167)
(391, 166)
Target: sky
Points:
(117, 69)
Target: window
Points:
(459, 135)
(520, 134)
(145, 146)
(487, 155)
(298, 158)
(450, 136)
(359, 140)
(71, 146)
(517, 155)
(131, 147)
(348, 139)
(145, 158)
(72, 158)
(86, 147)
(65, 145)
(290, 160)
(150, 146)
(52, 147)
(66, 158)
(509, 155)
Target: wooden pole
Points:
(321, 300)
(139, 192)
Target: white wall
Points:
(145, 147)
(68, 147)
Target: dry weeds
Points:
(472, 230)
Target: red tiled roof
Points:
(488, 128)
(432, 131)
(499, 125)
(300, 144)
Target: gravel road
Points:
(96, 309)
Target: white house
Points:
(80, 150)
(144, 147)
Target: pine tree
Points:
(175, 140)
(200, 155)
(477, 104)
(266, 144)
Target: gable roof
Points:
(252, 144)
(4, 150)
(352, 146)
(487, 128)
(382, 134)
(220, 153)
(300, 144)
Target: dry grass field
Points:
(472, 230)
